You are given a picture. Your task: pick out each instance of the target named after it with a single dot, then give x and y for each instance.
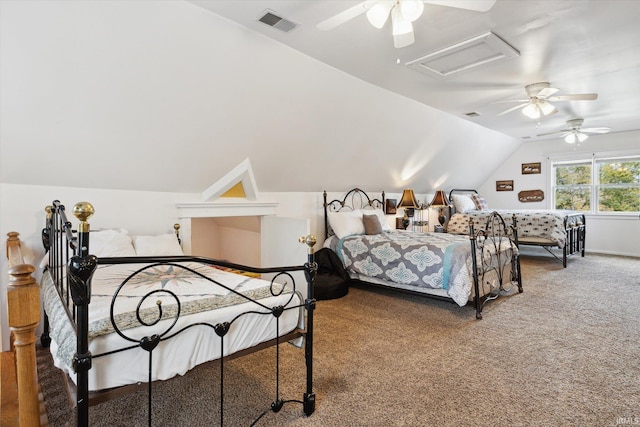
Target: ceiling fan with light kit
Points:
(403, 13)
(575, 132)
(541, 95)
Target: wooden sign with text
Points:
(531, 196)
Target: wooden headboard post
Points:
(23, 300)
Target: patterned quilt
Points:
(195, 294)
(548, 225)
(423, 260)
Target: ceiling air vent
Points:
(271, 19)
(484, 49)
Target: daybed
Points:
(477, 267)
(120, 314)
(549, 229)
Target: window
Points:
(600, 185)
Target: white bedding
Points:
(179, 354)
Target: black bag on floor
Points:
(332, 280)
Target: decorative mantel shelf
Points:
(226, 209)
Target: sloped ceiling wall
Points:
(165, 96)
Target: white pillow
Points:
(160, 245)
(381, 216)
(463, 203)
(110, 243)
(346, 223)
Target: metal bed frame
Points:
(574, 226)
(70, 251)
(495, 229)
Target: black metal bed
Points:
(71, 268)
(574, 226)
(504, 265)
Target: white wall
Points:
(605, 234)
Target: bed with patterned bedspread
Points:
(549, 229)
(421, 262)
(431, 264)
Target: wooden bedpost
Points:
(23, 299)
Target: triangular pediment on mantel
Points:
(235, 194)
(240, 179)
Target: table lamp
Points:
(440, 201)
(409, 203)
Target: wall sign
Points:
(504, 185)
(531, 196)
(531, 168)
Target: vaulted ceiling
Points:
(576, 46)
(172, 95)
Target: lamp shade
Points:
(440, 199)
(408, 200)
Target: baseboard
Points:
(599, 252)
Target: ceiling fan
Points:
(402, 12)
(541, 95)
(576, 133)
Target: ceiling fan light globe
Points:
(532, 111)
(400, 25)
(570, 138)
(582, 137)
(411, 9)
(403, 40)
(546, 108)
(379, 13)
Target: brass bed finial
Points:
(83, 211)
(308, 240)
(49, 210)
(176, 229)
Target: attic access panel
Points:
(480, 50)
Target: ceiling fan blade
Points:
(477, 5)
(575, 97)
(562, 132)
(513, 109)
(511, 100)
(346, 15)
(546, 92)
(596, 130)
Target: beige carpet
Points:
(566, 352)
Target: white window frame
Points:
(593, 159)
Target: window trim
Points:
(593, 159)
